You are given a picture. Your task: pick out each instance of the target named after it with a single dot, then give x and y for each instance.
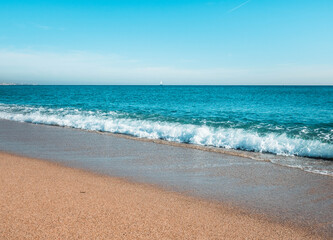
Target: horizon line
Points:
(33, 84)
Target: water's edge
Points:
(285, 161)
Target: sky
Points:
(174, 41)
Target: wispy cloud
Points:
(239, 6)
(79, 67)
(43, 27)
(86, 67)
(47, 28)
(32, 25)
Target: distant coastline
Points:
(15, 84)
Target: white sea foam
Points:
(188, 133)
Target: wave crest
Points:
(187, 133)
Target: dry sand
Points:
(43, 200)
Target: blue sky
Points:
(178, 42)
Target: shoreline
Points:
(281, 160)
(46, 199)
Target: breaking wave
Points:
(229, 138)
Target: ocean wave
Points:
(229, 138)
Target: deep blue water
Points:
(284, 120)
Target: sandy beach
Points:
(44, 200)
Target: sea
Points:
(291, 125)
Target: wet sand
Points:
(44, 200)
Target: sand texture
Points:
(43, 200)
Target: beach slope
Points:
(40, 199)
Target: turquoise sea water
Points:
(289, 121)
